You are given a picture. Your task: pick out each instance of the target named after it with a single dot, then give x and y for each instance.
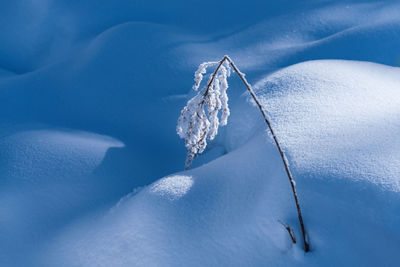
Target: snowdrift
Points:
(337, 121)
(90, 92)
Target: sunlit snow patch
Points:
(173, 187)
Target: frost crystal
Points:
(194, 124)
(198, 75)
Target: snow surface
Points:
(228, 212)
(90, 94)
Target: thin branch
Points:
(210, 82)
(290, 231)
(284, 159)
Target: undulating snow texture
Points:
(349, 131)
(90, 92)
(337, 122)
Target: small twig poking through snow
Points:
(195, 126)
(291, 233)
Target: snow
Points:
(229, 210)
(344, 131)
(173, 187)
(91, 166)
(50, 176)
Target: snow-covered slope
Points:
(90, 92)
(337, 121)
(51, 176)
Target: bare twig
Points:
(284, 159)
(291, 233)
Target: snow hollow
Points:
(91, 167)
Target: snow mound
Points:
(172, 187)
(367, 31)
(117, 72)
(49, 177)
(346, 129)
(51, 154)
(328, 115)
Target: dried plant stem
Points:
(284, 159)
(210, 82)
(203, 102)
(289, 230)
